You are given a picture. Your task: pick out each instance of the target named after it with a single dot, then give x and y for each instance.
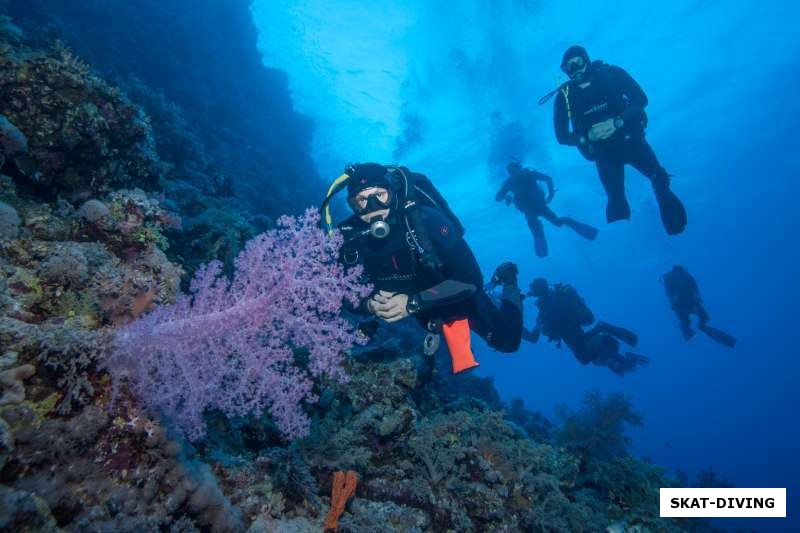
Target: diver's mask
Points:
(377, 201)
(575, 68)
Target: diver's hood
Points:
(366, 175)
(575, 51)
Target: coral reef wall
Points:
(93, 192)
(196, 63)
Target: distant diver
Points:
(529, 198)
(605, 107)
(684, 297)
(412, 249)
(563, 315)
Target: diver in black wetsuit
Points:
(439, 297)
(605, 107)
(530, 199)
(563, 316)
(684, 297)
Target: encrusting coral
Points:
(13, 143)
(83, 136)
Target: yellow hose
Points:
(335, 186)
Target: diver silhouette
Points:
(563, 315)
(530, 199)
(684, 297)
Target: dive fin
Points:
(673, 213)
(718, 335)
(625, 335)
(585, 230)
(512, 295)
(621, 365)
(540, 246)
(638, 359)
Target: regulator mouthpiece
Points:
(379, 229)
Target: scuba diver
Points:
(411, 247)
(529, 198)
(562, 317)
(684, 297)
(605, 107)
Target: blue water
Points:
(721, 77)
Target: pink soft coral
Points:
(230, 345)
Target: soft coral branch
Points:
(229, 345)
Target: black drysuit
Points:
(530, 199)
(563, 316)
(684, 298)
(609, 92)
(454, 291)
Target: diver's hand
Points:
(602, 130)
(389, 306)
(371, 306)
(550, 196)
(379, 298)
(509, 200)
